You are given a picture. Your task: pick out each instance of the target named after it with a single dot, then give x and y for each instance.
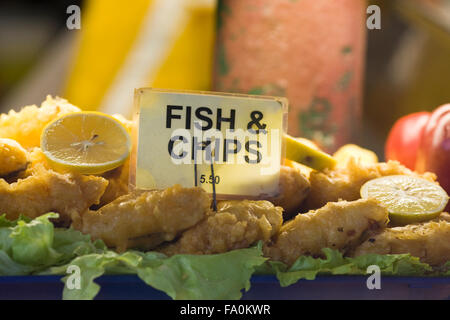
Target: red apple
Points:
(404, 138)
(434, 149)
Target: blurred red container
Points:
(310, 51)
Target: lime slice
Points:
(298, 151)
(408, 199)
(85, 142)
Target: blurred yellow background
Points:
(126, 45)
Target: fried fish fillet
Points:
(36, 159)
(429, 241)
(443, 216)
(294, 188)
(45, 191)
(161, 213)
(12, 157)
(345, 183)
(338, 225)
(26, 125)
(118, 178)
(236, 224)
(117, 183)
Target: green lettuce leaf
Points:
(32, 242)
(8, 267)
(306, 267)
(217, 276)
(91, 266)
(446, 269)
(31, 246)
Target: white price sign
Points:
(227, 143)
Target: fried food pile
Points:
(162, 214)
(314, 210)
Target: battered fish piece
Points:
(117, 183)
(26, 125)
(36, 159)
(339, 225)
(429, 241)
(236, 224)
(46, 191)
(160, 215)
(118, 178)
(443, 216)
(294, 188)
(345, 183)
(12, 157)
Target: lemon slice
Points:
(408, 199)
(85, 142)
(306, 154)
